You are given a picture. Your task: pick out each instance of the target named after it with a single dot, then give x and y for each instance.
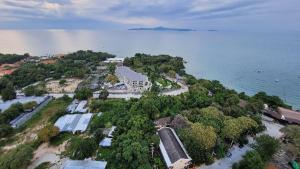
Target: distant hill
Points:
(160, 28)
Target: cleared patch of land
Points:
(69, 86)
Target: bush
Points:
(18, 158)
(80, 149)
(47, 133)
(83, 94)
(30, 105)
(5, 130)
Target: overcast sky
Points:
(282, 15)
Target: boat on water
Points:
(276, 80)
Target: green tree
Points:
(29, 91)
(8, 93)
(111, 79)
(103, 94)
(83, 94)
(251, 160)
(234, 127)
(200, 148)
(80, 149)
(111, 68)
(266, 146)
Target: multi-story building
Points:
(136, 82)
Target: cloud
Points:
(135, 12)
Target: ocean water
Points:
(234, 58)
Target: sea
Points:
(244, 61)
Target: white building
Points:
(136, 82)
(173, 151)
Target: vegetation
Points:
(6, 89)
(266, 146)
(200, 148)
(263, 150)
(83, 94)
(71, 65)
(18, 158)
(11, 58)
(110, 78)
(207, 109)
(292, 138)
(251, 160)
(103, 94)
(30, 105)
(44, 165)
(80, 148)
(12, 112)
(47, 133)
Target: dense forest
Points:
(11, 58)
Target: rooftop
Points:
(106, 142)
(84, 164)
(289, 115)
(81, 108)
(123, 71)
(73, 122)
(171, 147)
(5, 105)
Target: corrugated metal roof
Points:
(73, 122)
(123, 71)
(81, 108)
(106, 142)
(84, 164)
(5, 105)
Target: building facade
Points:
(136, 82)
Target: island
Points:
(91, 109)
(160, 28)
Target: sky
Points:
(282, 15)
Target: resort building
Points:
(136, 82)
(74, 122)
(83, 164)
(172, 150)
